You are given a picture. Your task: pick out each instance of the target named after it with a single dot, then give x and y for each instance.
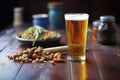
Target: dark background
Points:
(95, 8)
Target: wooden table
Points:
(103, 62)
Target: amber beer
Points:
(76, 30)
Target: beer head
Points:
(76, 16)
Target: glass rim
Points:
(76, 16)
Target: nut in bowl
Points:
(38, 36)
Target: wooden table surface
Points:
(103, 62)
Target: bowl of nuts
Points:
(38, 36)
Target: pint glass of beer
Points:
(76, 31)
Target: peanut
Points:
(58, 55)
(35, 55)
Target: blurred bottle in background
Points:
(55, 15)
(95, 25)
(18, 17)
(40, 20)
(107, 30)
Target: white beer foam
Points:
(76, 16)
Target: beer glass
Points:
(76, 31)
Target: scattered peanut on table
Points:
(36, 54)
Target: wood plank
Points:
(84, 71)
(60, 71)
(8, 68)
(47, 71)
(5, 37)
(108, 62)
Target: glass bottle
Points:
(107, 30)
(55, 15)
(18, 17)
(95, 25)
